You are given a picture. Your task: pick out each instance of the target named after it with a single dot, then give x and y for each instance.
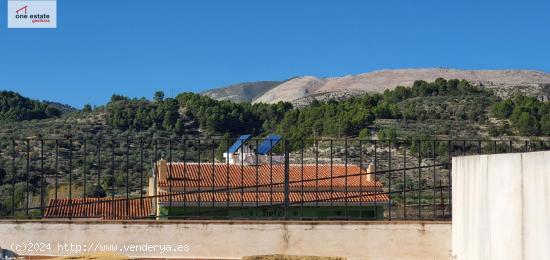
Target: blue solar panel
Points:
(268, 143)
(240, 141)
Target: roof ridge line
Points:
(239, 165)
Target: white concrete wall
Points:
(501, 206)
(224, 239)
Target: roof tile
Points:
(233, 175)
(105, 208)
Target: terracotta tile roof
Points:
(275, 198)
(104, 208)
(194, 175)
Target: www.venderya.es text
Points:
(75, 248)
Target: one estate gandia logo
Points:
(21, 13)
(32, 14)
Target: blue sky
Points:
(136, 47)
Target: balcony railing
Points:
(201, 179)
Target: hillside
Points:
(64, 108)
(242, 92)
(197, 115)
(506, 81)
(15, 108)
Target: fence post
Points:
(287, 179)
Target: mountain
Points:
(242, 92)
(306, 88)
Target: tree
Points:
(503, 109)
(545, 124)
(169, 120)
(386, 110)
(108, 181)
(387, 134)
(116, 97)
(222, 147)
(179, 128)
(452, 86)
(159, 96)
(409, 112)
(87, 108)
(526, 124)
(464, 87)
(441, 84)
(421, 88)
(364, 134)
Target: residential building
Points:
(228, 190)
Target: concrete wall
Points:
(501, 206)
(225, 239)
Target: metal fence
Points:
(202, 179)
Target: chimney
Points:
(370, 173)
(152, 191)
(162, 170)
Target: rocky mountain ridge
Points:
(303, 89)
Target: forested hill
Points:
(173, 115)
(14, 107)
(443, 108)
(351, 117)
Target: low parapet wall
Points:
(230, 239)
